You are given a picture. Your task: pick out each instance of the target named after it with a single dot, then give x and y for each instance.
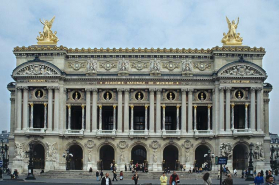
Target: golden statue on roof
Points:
(232, 38)
(47, 37)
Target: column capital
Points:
(120, 90)
(158, 90)
(228, 88)
(253, 89)
(56, 87)
(232, 104)
(100, 106)
(190, 90)
(221, 88)
(132, 106)
(178, 106)
(50, 87)
(82, 106)
(184, 90)
(45, 104)
(94, 89)
(152, 90)
(195, 106)
(19, 87)
(127, 90)
(114, 106)
(69, 106)
(246, 105)
(31, 104)
(146, 106)
(88, 89)
(259, 88)
(209, 106)
(25, 88)
(163, 106)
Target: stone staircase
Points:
(78, 174)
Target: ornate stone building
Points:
(162, 107)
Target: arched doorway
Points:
(138, 154)
(199, 155)
(76, 162)
(39, 156)
(170, 156)
(240, 157)
(107, 157)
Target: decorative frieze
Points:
(76, 65)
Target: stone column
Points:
(246, 116)
(259, 109)
(50, 99)
(266, 128)
(100, 117)
(114, 117)
(190, 111)
(31, 115)
(183, 111)
(228, 104)
(151, 110)
(208, 117)
(62, 104)
(19, 108)
(146, 118)
(126, 111)
(177, 117)
(215, 111)
(164, 117)
(195, 118)
(69, 117)
(221, 121)
(132, 117)
(158, 111)
(253, 110)
(94, 110)
(56, 109)
(82, 117)
(119, 112)
(232, 116)
(25, 108)
(45, 115)
(88, 100)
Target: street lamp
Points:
(208, 158)
(250, 176)
(30, 175)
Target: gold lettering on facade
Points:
(38, 81)
(240, 81)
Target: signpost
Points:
(221, 161)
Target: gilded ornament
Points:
(47, 37)
(202, 66)
(232, 38)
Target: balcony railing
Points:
(74, 132)
(36, 130)
(106, 132)
(171, 133)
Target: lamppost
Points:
(3, 155)
(68, 156)
(30, 175)
(250, 176)
(208, 158)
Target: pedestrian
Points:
(262, 173)
(266, 172)
(114, 176)
(181, 167)
(106, 180)
(135, 178)
(228, 180)
(101, 174)
(190, 170)
(218, 174)
(125, 167)
(270, 173)
(206, 179)
(235, 172)
(269, 180)
(168, 169)
(164, 179)
(130, 167)
(121, 175)
(259, 179)
(111, 166)
(97, 175)
(242, 174)
(90, 170)
(174, 179)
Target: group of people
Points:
(138, 167)
(269, 178)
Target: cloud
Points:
(144, 23)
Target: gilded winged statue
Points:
(232, 38)
(47, 37)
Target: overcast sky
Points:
(150, 23)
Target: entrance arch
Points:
(199, 155)
(170, 155)
(39, 157)
(138, 154)
(76, 162)
(107, 156)
(240, 153)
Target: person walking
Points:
(106, 180)
(174, 179)
(269, 180)
(101, 174)
(114, 176)
(228, 180)
(121, 175)
(235, 172)
(206, 179)
(97, 175)
(164, 179)
(136, 178)
(259, 179)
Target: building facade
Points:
(164, 107)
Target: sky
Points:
(138, 23)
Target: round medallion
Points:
(202, 96)
(76, 95)
(39, 93)
(107, 95)
(170, 96)
(139, 95)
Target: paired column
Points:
(32, 115)
(151, 110)
(88, 100)
(259, 108)
(253, 110)
(114, 117)
(69, 117)
(195, 117)
(94, 110)
(215, 108)
(177, 117)
(208, 117)
(190, 111)
(132, 117)
(45, 115)
(82, 117)
(119, 112)
(126, 110)
(25, 108)
(221, 121)
(232, 117)
(164, 117)
(56, 109)
(183, 111)
(246, 116)
(100, 117)
(50, 99)
(19, 108)
(158, 111)
(228, 104)
(146, 117)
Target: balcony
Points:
(171, 133)
(205, 133)
(241, 132)
(36, 130)
(106, 133)
(70, 132)
(138, 133)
